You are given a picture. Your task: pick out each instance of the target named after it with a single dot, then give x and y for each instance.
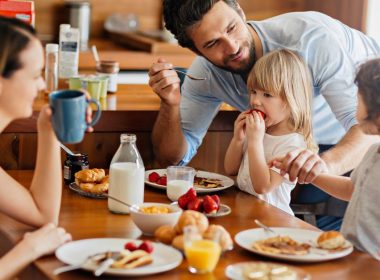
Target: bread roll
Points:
(225, 240)
(330, 240)
(165, 234)
(190, 217)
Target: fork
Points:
(189, 75)
(65, 268)
(266, 228)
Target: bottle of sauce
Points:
(126, 176)
(51, 67)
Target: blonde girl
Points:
(280, 90)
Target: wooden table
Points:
(90, 218)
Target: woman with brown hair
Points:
(21, 64)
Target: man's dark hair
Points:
(368, 81)
(179, 15)
(15, 36)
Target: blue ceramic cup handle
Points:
(98, 112)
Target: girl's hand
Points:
(255, 127)
(45, 240)
(239, 127)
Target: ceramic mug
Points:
(69, 114)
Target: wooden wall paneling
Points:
(353, 12)
(259, 10)
(9, 149)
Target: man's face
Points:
(223, 38)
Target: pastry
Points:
(281, 245)
(331, 240)
(165, 234)
(179, 242)
(94, 175)
(219, 232)
(191, 217)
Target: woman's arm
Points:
(338, 186)
(41, 203)
(35, 244)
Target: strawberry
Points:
(153, 177)
(184, 199)
(262, 114)
(216, 199)
(131, 246)
(209, 205)
(147, 246)
(162, 180)
(195, 204)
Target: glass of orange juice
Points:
(202, 255)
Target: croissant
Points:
(94, 175)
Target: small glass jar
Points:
(72, 165)
(110, 69)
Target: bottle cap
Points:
(64, 27)
(51, 48)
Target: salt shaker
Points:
(126, 176)
(51, 67)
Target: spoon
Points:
(67, 150)
(266, 228)
(190, 76)
(95, 54)
(120, 201)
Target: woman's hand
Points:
(44, 119)
(45, 240)
(88, 112)
(255, 127)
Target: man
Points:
(228, 48)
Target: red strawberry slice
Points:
(162, 180)
(184, 200)
(153, 177)
(147, 246)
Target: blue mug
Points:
(69, 114)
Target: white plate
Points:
(76, 252)
(235, 271)
(246, 238)
(226, 182)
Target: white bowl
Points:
(148, 223)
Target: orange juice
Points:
(202, 255)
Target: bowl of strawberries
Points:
(209, 204)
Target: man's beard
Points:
(245, 66)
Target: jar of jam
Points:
(72, 165)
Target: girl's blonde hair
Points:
(283, 73)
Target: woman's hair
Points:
(15, 37)
(283, 73)
(368, 82)
(179, 15)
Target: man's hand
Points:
(165, 82)
(300, 164)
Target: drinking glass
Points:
(202, 254)
(179, 180)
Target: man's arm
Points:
(169, 143)
(348, 153)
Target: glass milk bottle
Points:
(126, 175)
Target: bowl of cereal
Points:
(149, 216)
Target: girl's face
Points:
(368, 126)
(276, 111)
(18, 92)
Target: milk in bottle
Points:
(126, 175)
